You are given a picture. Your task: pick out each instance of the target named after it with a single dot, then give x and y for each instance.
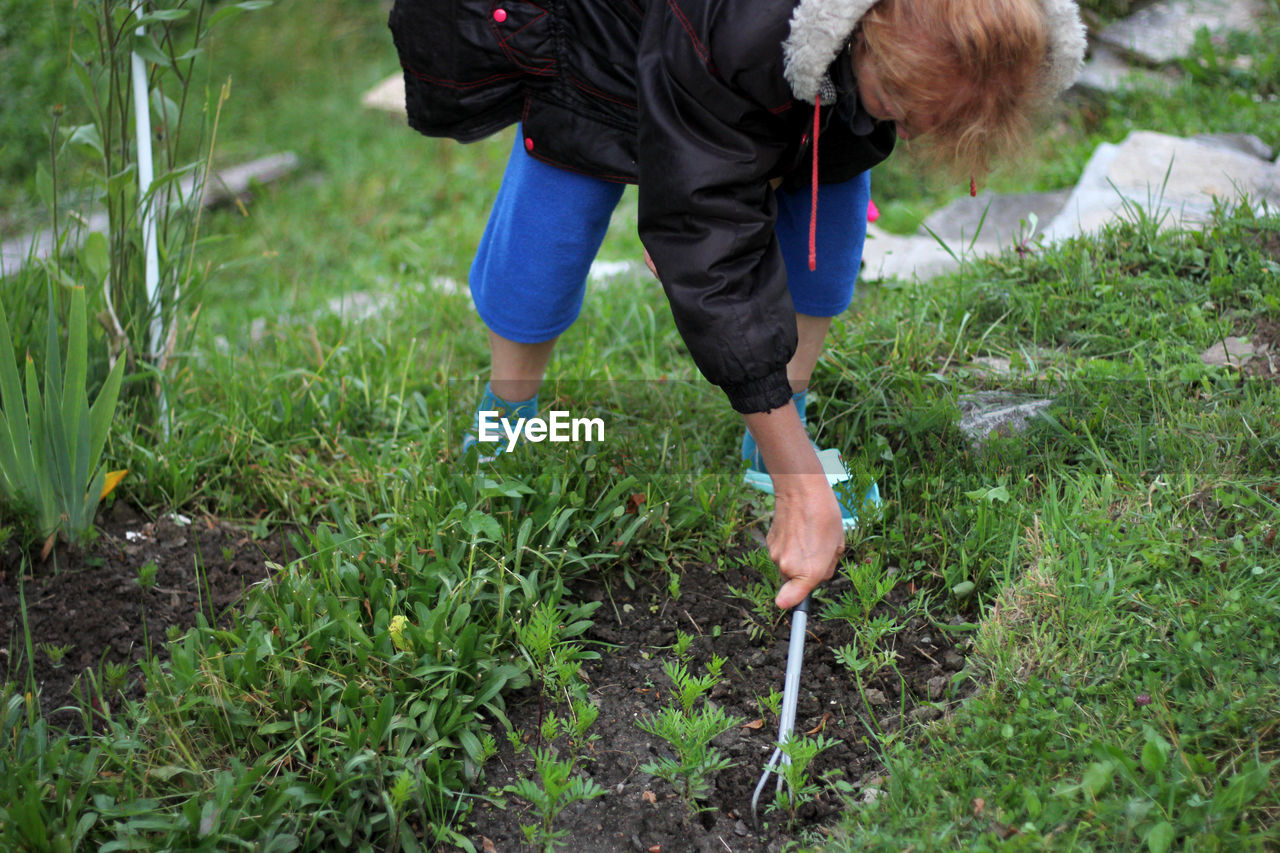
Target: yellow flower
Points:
(398, 639)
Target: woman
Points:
(749, 126)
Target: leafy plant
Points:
(556, 787)
(51, 441)
(55, 653)
(865, 665)
(690, 732)
(798, 785)
(870, 586)
(770, 704)
(169, 37)
(147, 574)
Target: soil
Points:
(89, 602)
(637, 628)
(1265, 337)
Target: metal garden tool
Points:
(790, 696)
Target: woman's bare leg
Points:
(518, 369)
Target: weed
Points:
(771, 704)
(556, 787)
(683, 644)
(690, 733)
(870, 586)
(55, 653)
(147, 574)
(798, 785)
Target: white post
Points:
(146, 176)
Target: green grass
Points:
(1124, 547)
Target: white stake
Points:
(146, 177)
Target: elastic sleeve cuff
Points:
(760, 395)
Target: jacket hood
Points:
(820, 28)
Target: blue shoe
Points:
(757, 477)
(502, 419)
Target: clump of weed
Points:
(690, 733)
(556, 788)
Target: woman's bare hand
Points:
(806, 538)
(807, 535)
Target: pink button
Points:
(528, 143)
(499, 15)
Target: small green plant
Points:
(759, 594)
(542, 637)
(865, 665)
(51, 441)
(798, 784)
(550, 728)
(113, 676)
(55, 653)
(684, 642)
(584, 717)
(556, 787)
(673, 584)
(870, 586)
(690, 733)
(771, 704)
(147, 574)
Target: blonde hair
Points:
(973, 66)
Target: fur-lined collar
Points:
(820, 28)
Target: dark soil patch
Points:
(88, 600)
(641, 813)
(1265, 338)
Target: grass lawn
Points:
(1110, 577)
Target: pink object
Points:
(499, 15)
(528, 143)
(873, 212)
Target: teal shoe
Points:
(757, 477)
(504, 420)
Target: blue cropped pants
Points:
(530, 271)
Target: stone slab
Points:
(1107, 71)
(1245, 143)
(1166, 31)
(387, 95)
(1173, 179)
(219, 188)
(888, 255)
(1002, 220)
(1232, 351)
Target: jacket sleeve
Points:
(707, 149)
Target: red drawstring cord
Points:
(813, 183)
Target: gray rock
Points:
(1232, 351)
(1245, 143)
(1165, 31)
(985, 412)
(989, 218)
(1107, 71)
(888, 255)
(1174, 180)
(387, 96)
(926, 714)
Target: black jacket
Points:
(702, 102)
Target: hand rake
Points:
(790, 696)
